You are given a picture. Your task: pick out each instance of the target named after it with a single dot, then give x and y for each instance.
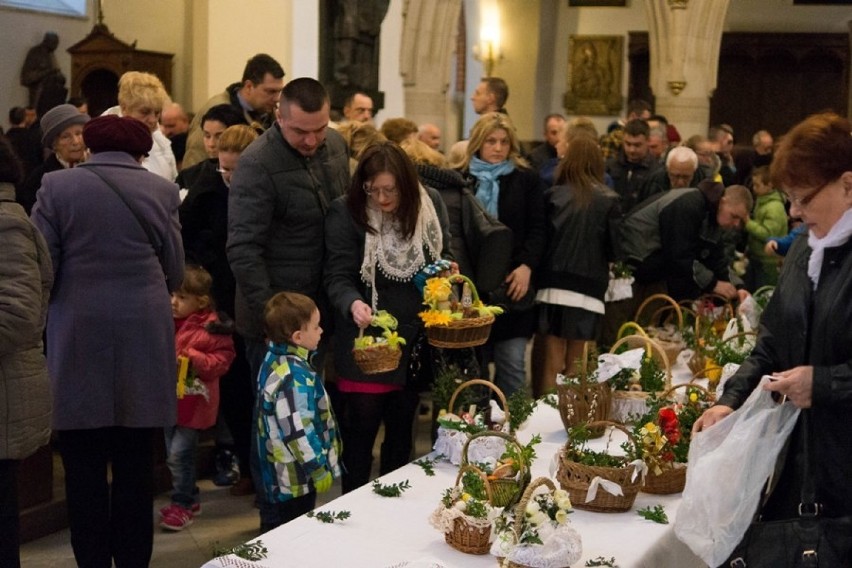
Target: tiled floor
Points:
(225, 521)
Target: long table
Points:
(392, 532)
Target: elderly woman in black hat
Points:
(113, 234)
(62, 133)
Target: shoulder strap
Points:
(156, 243)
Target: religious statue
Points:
(42, 76)
(356, 30)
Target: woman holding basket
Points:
(379, 236)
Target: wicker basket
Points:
(473, 382)
(377, 359)
(576, 478)
(671, 348)
(575, 401)
(520, 508)
(507, 490)
(461, 333)
(650, 346)
(465, 537)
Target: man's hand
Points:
(725, 289)
(797, 384)
(771, 247)
(519, 282)
(711, 416)
(362, 314)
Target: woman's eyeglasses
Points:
(370, 190)
(803, 200)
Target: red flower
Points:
(669, 423)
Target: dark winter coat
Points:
(805, 327)
(276, 210)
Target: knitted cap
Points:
(58, 119)
(111, 133)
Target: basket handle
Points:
(462, 279)
(482, 476)
(521, 507)
(741, 336)
(489, 384)
(635, 326)
(665, 298)
(649, 344)
(523, 467)
(630, 437)
(669, 391)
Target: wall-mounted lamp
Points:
(487, 50)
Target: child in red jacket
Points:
(205, 351)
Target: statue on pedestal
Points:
(42, 76)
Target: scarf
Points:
(488, 188)
(399, 259)
(838, 235)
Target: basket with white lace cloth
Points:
(456, 426)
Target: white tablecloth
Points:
(388, 532)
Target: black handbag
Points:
(808, 541)
(489, 244)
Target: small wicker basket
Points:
(576, 478)
(587, 402)
(650, 346)
(520, 508)
(461, 333)
(464, 536)
(375, 359)
(672, 347)
(507, 490)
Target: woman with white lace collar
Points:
(379, 236)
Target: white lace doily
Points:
(486, 449)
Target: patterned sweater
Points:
(297, 434)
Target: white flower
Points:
(563, 500)
(538, 519)
(532, 508)
(460, 505)
(561, 516)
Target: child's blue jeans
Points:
(181, 445)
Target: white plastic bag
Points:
(729, 464)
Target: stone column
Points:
(684, 39)
(428, 40)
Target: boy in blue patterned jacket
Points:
(297, 434)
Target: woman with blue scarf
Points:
(512, 193)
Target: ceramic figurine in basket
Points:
(465, 514)
(536, 533)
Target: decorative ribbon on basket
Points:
(378, 355)
(627, 402)
(577, 478)
(585, 398)
(454, 431)
(453, 321)
(550, 541)
(466, 519)
(508, 479)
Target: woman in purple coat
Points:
(111, 335)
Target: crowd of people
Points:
(249, 245)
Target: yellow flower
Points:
(651, 428)
(437, 290)
(433, 317)
(693, 397)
